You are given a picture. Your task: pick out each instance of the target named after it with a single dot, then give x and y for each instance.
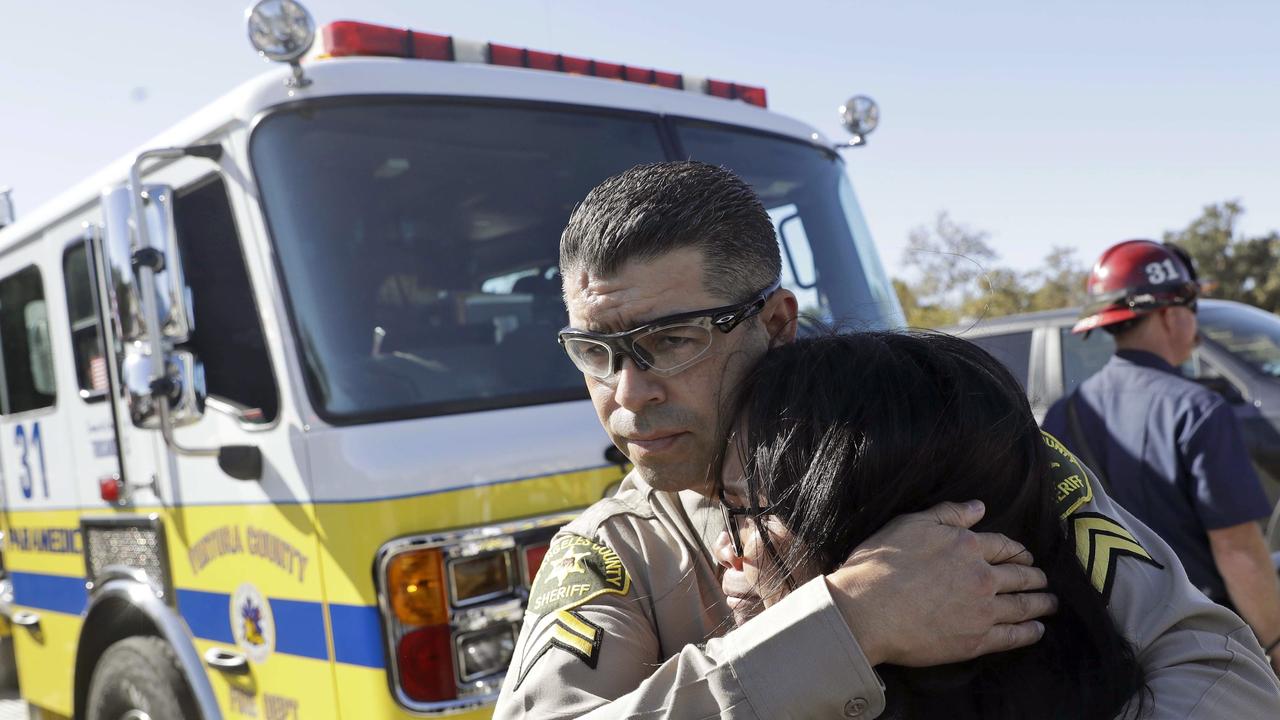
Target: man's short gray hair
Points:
(651, 210)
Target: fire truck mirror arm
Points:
(148, 308)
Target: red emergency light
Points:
(346, 38)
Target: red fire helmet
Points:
(1134, 278)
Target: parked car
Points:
(1239, 357)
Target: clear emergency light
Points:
(346, 38)
(281, 31)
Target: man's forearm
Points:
(1245, 565)
(795, 660)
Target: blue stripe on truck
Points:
(58, 593)
(357, 635)
(208, 614)
(299, 624)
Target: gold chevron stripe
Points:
(580, 627)
(1099, 540)
(582, 645)
(1086, 526)
(577, 635)
(569, 632)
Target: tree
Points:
(955, 276)
(1004, 292)
(947, 259)
(921, 314)
(1062, 280)
(1235, 267)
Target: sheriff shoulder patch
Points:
(1070, 481)
(575, 571)
(1100, 543)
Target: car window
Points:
(1201, 369)
(228, 336)
(1012, 349)
(1082, 358)
(82, 311)
(25, 349)
(1250, 334)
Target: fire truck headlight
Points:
(487, 652)
(483, 576)
(280, 30)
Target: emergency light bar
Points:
(346, 38)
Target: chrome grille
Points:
(136, 543)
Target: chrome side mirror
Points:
(182, 387)
(122, 300)
(171, 286)
(124, 251)
(147, 304)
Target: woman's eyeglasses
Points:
(738, 519)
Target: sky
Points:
(1044, 124)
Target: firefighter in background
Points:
(1167, 449)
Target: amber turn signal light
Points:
(416, 586)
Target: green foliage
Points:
(955, 278)
(1061, 280)
(954, 274)
(1245, 269)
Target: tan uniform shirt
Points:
(627, 598)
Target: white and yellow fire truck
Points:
(284, 426)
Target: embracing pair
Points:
(859, 525)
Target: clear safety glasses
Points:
(665, 346)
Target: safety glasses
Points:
(664, 346)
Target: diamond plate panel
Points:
(136, 543)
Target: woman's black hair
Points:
(844, 432)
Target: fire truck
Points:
(284, 426)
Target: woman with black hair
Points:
(837, 435)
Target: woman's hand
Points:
(925, 590)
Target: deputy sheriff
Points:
(670, 277)
(1168, 449)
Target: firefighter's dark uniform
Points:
(1171, 453)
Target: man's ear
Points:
(780, 315)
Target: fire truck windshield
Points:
(417, 241)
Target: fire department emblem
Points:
(252, 624)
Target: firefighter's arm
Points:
(1200, 659)
(1229, 500)
(1241, 555)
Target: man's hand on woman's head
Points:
(925, 590)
